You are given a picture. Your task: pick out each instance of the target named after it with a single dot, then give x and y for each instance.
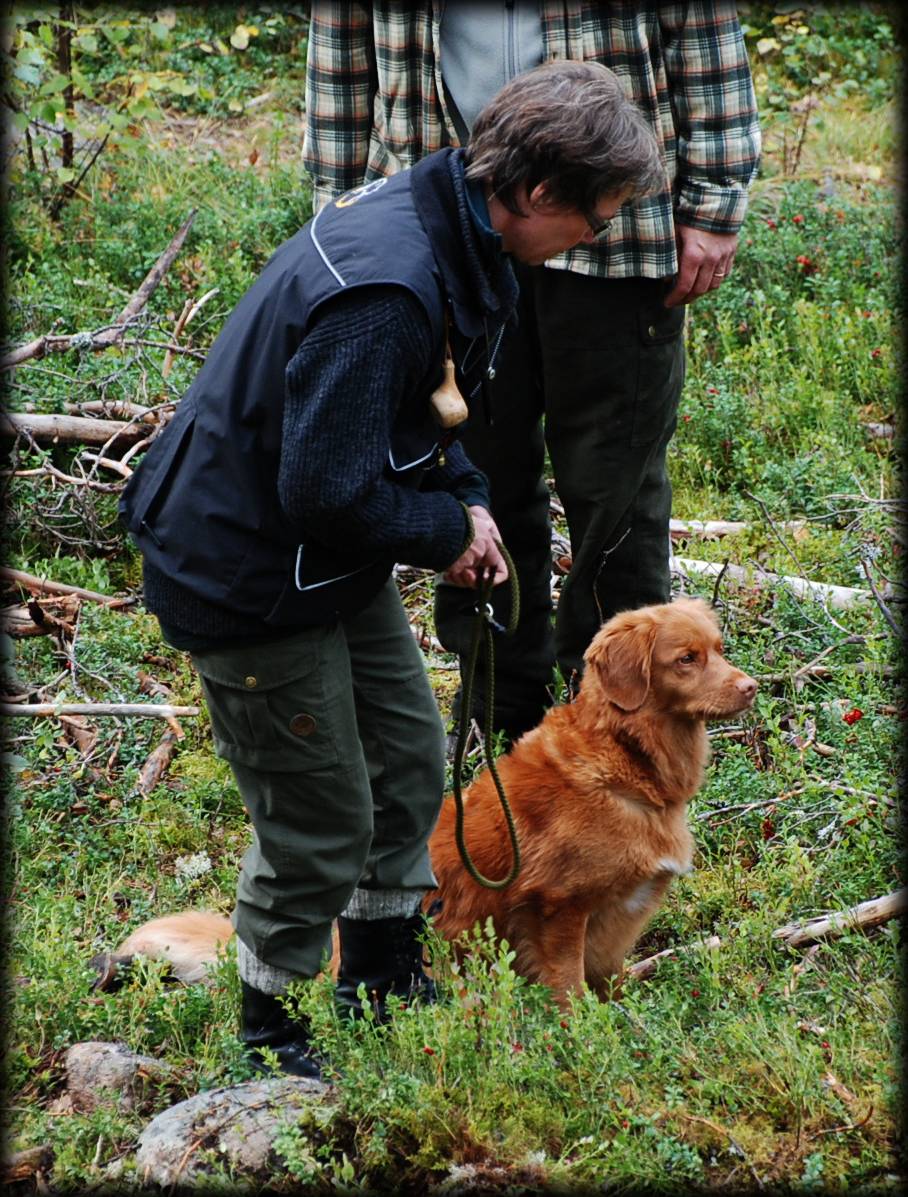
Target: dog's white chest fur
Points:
(642, 895)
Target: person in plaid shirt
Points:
(595, 370)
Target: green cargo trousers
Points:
(337, 747)
(594, 372)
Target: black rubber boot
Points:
(386, 957)
(265, 1023)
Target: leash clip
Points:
(488, 614)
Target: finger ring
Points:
(718, 274)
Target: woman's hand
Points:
(482, 552)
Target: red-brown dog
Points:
(599, 793)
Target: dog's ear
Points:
(621, 654)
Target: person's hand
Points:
(481, 552)
(704, 262)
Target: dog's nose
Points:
(747, 686)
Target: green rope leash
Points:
(482, 633)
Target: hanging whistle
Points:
(448, 405)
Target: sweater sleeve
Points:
(344, 385)
(461, 478)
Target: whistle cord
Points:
(484, 629)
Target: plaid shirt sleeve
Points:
(340, 90)
(718, 135)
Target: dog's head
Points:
(669, 659)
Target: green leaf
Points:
(65, 174)
(54, 85)
(14, 762)
(26, 74)
(46, 35)
(115, 33)
(20, 121)
(31, 55)
(48, 112)
(87, 42)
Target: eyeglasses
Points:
(599, 228)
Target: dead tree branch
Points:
(46, 586)
(140, 710)
(862, 916)
(109, 336)
(839, 597)
(69, 429)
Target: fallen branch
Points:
(24, 1165)
(34, 618)
(839, 597)
(645, 968)
(681, 528)
(141, 710)
(45, 586)
(822, 671)
(118, 409)
(108, 336)
(69, 429)
(864, 915)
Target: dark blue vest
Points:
(203, 505)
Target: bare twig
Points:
(821, 671)
(719, 576)
(849, 1126)
(188, 314)
(884, 610)
(110, 464)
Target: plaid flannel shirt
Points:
(375, 104)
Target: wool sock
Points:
(266, 978)
(383, 903)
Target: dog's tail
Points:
(190, 943)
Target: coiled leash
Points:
(484, 630)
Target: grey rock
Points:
(238, 1124)
(100, 1074)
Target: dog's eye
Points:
(687, 659)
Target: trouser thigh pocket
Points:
(269, 705)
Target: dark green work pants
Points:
(337, 747)
(594, 371)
